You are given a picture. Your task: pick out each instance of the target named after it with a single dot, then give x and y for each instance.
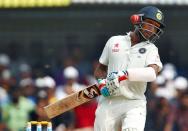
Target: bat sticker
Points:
(89, 93)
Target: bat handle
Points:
(121, 78)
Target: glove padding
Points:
(112, 83)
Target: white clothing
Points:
(117, 113)
(119, 55)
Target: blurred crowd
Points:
(168, 101)
(24, 92)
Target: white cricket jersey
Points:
(118, 55)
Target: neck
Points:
(134, 38)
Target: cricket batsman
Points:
(122, 106)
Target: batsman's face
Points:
(149, 28)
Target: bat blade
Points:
(72, 101)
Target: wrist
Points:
(123, 75)
(101, 83)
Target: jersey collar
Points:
(141, 44)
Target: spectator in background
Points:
(71, 85)
(177, 119)
(4, 62)
(39, 114)
(166, 94)
(47, 84)
(3, 126)
(16, 113)
(161, 113)
(45, 95)
(165, 82)
(181, 86)
(25, 71)
(83, 121)
(6, 79)
(67, 119)
(51, 88)
(169, 85)
(28, 88)
(4, 99)
(85, 116)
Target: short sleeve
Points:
(154, 58)
(104, 58)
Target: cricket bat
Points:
(74, 100)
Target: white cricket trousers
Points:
(120, 115)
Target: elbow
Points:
(153, 77)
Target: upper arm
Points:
(101, 69)
(104, 58)
(153, 60)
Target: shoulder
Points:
(151, 46)
(118, 37)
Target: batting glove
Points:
(110, 86)
(102, 86)
(113, 81)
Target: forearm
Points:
(100, 72)
(146, 74)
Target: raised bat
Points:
(74, 100)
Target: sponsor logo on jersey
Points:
(115, 48)
(142, 50)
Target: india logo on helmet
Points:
(159, 16)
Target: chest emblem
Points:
(115, 47)
(142, 50)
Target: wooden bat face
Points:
(72, 101)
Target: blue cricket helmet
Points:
(153, 13)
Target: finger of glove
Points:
(112, 83)
(112, 75)
(101, 81)
(121, 73)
